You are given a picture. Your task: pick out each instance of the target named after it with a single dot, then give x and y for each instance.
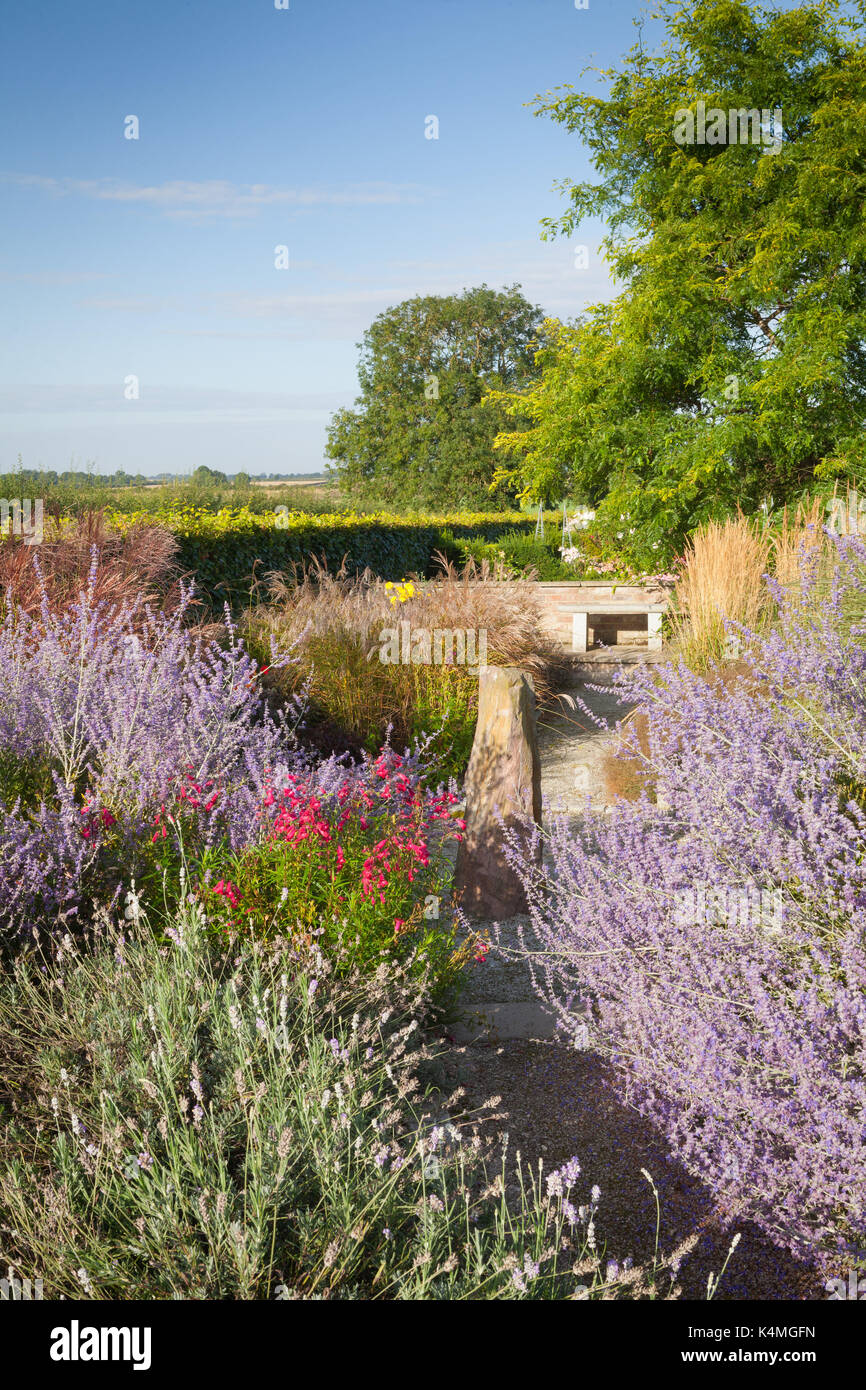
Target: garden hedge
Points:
(226, 548)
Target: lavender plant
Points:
(741, 1034)
(186, 1122)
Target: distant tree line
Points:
(35, 481)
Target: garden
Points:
(245, 743)
(226, 1003)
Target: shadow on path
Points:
(557, 1103)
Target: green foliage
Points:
(513, 555)
(603, 554)
(207, 477)
(25, 778)
(444, 709)
(359, 698)
(419, 433)
(225, 549)
(732, 364)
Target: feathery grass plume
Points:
(135, 569)
(795, 532)
(722, 577)
(336, 622)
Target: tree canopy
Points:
(419, 434)
(731, 365)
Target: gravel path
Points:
(556, 1102)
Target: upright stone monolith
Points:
(503, 785)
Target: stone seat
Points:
(610, 608)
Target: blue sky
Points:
(154, 258)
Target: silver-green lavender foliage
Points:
(184, 1123)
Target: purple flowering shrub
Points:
(104, 710)
(710, 939)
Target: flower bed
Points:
(135, 748)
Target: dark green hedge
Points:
(224, 564)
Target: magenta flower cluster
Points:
(743, 1036)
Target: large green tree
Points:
(732, 363)
(419, 435)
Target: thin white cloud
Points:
(216, 198)
(551, 281)
(58, 398)
(53, 277)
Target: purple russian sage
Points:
(117, 706)
(709, 937)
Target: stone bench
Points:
(610, 608)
